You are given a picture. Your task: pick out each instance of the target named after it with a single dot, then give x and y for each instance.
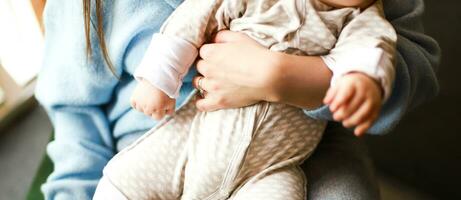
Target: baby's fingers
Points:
(361, 129)
(351, 107)
(138, 103)
(343, 95)
(133, 103)
(169, 111)
(157, 115)
(330, 94)
(138, 106)
(359, 116)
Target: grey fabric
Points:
(340, 168)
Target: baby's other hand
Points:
(355, 100)
(152, 101)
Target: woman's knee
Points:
(340, 168)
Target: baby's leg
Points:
(287, 183)
(283, 141)
(152, 168)
(232, 146)
(218, 140)
(107, 190)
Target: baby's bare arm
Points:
(349, 3)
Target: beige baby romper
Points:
(252, 152)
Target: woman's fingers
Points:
(208, 104)
(203, 83)
(206, 51)
(205, 68)
(195, 82)
(230, 36)
(211, 52)
(209, 69)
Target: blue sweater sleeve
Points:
(75, 90)
(416, 62)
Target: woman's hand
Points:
(236, 72)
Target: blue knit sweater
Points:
(90, 109)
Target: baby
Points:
(251, 152)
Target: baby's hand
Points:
(152, 101)
(355, 100)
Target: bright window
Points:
(21, 40)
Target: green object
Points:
(46, 167)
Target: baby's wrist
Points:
(364, 76)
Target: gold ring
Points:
(200, 88)
(199, 83)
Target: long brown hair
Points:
(99, 31)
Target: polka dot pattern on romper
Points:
(251, 152)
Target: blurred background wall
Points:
(425, 149)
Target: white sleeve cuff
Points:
(373, 62)
(166, 62)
